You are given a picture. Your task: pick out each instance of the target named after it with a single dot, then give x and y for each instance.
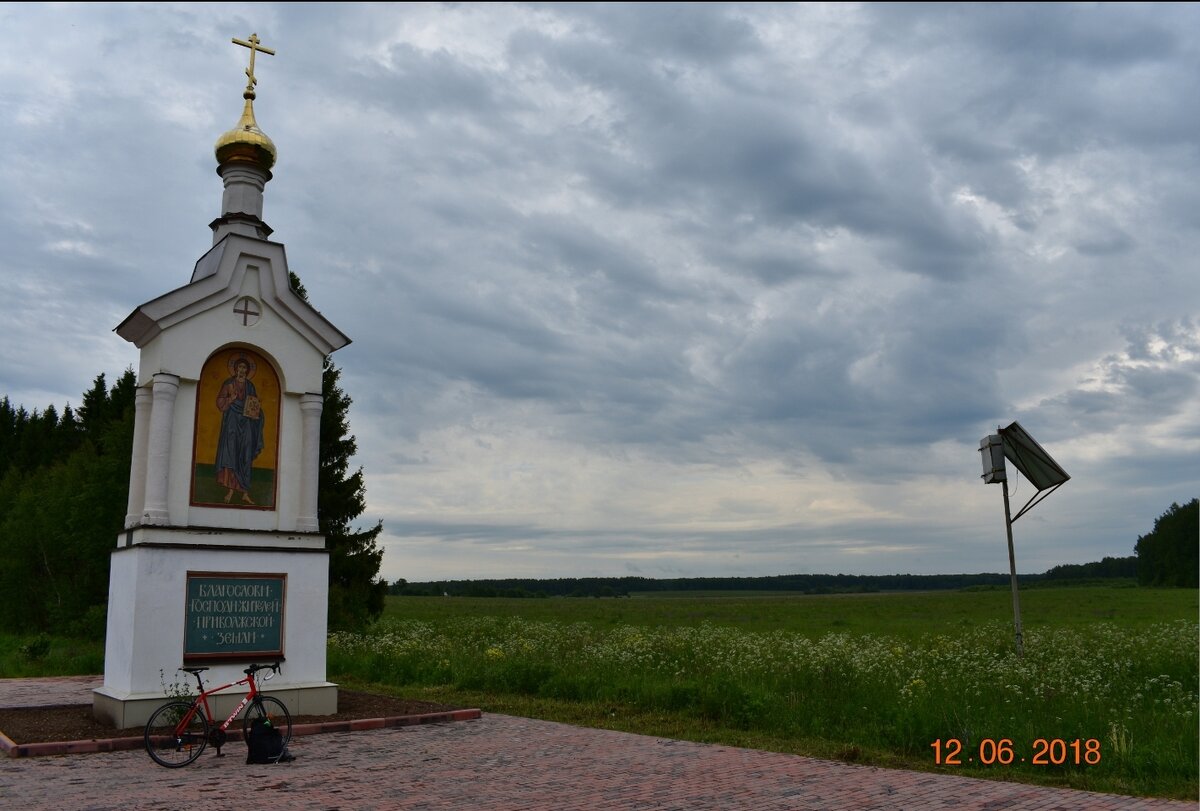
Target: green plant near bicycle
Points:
(178, 731)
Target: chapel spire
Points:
(245, 156)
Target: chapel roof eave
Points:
(217, 280)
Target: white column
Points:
(142, 400)
(158, 451)
(310, 461)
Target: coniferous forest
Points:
(64, 483)
(1169, 555)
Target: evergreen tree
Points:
(1170, 554)
(9, 434)
(95, 410)
(62, 502)
(356, 594)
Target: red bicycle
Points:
(178, 731)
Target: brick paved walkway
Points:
(503, 763)
(48, 692)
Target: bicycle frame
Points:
(202, 701)
(179, 731)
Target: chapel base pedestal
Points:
(132, 711)
(149, 609)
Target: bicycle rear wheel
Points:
(271, 709)
(172, 746)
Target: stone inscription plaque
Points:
(234, 616)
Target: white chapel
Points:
(220, 563)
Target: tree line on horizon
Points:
(1124, 568)
(1167, 556)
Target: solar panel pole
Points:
(991, 449)
(1012, 569)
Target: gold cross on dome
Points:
(253, 45)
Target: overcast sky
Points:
(659, 290)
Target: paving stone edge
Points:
(16, 750)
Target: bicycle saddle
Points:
(193, 670)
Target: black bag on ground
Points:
(264, 743)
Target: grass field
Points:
(907, 615)
(875, 678)
(36, 656)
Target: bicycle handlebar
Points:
(274, 668)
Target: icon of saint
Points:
(241, 438)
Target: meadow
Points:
(902, 680)
(896, 680)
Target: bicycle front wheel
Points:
(171, 742)
(272, 710)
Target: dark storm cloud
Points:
(704, 34)
(1057, 76)
(419, 83)
(1156, 377)
(704, 144)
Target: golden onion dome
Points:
(246, 143)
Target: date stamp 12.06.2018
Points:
(1002, 751)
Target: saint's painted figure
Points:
(236, 446)
(241, 437)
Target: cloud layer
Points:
(662, 289)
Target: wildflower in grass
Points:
(913, 689)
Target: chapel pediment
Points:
(237, 271)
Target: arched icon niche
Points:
(236, 447)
